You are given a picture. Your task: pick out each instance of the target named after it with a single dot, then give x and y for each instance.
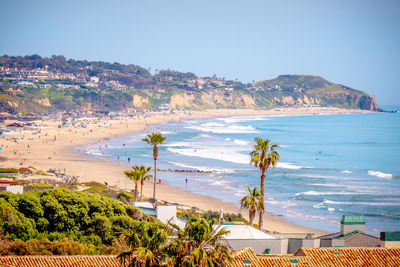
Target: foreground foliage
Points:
(200, 243)
(60, 214)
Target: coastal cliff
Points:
(285, 90)
(32, 84)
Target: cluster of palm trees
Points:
(263, 156)
(200, 243)
(140, 173)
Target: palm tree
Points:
(135, 177)
(147, 243)
(263, 156)
(253, 201)
(142, 170)
(155, 139)
(199, 244)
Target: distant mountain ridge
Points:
(41, 85)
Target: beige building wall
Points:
(388, 244)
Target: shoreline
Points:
(54, 149)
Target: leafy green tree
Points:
(253, 201)
(29, 205)
(14, 224)
(263, 156)
(155, 139)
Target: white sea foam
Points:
(330, 202)
(166, 132)
(288, 165)
(218, 153)
(204, 136)
(327, 201)
(380, 174)
(180, 144)
(327, 185)
(346, 171)
(221, 128)
(243, 118)
(284, 146)
(241, 142)
(202, 168)
(315, 193)
(331, 209)
(226, 186)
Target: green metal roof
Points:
(390, 236)
(352, 219)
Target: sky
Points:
(352, 42)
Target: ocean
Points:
(330, 164)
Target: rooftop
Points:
(352, 219)
(322, 257)
(245, 232)
(51, 261)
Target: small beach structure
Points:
(14, 126)
(164, 213)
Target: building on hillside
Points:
(321, 257)
(164, 106)
(94, 79)
(352, 234)
(14, 91)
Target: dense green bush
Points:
(57, 214)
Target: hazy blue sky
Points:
(352, 42)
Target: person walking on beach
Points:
(186, 180)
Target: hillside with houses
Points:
(35, 84)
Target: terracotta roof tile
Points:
(246, 257)
(321, 257)
(58, 261)
(352, 256)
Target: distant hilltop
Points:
(33, 84)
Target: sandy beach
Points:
(50, 147)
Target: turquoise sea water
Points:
(330, 164)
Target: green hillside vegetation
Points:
(95, 85)
(62, 221)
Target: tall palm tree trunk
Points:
(136, 187)
(251, 216)
(262, 188)
(141, 190)
(155, 178)
(155, 156)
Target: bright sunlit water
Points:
(330, 164)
